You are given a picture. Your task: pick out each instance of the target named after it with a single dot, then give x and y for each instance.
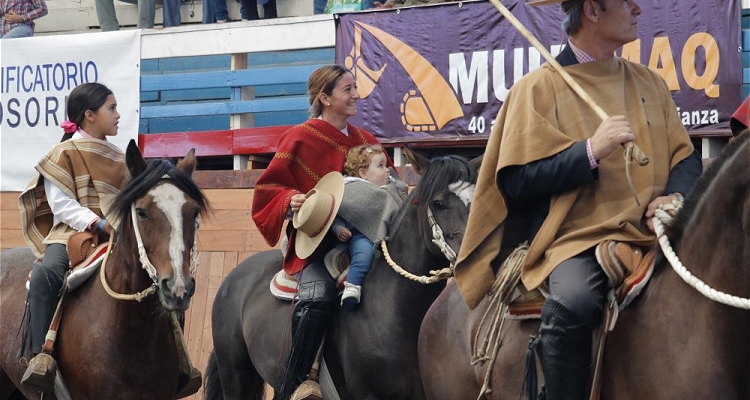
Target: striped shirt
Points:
(28, 9)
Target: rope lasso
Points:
(632, 151)
(660, 218)
(501, 296)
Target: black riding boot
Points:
(312, 315)
(565, 352)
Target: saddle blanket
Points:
(627, 268)
(84, 270)
(284, 286)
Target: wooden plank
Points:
(14, 238)
(220, 79)
(228, 220)
(222, 240)
(231, 260)
(255, 242)
(214, 281)
(227, 179)
(10, 219)
(229, 199)
(257, 140)
(194, 327)
(9, 201)
(286, 103)
(213, 143)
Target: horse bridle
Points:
(145, 262)
(439, 240)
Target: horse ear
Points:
(134, 159)
(477, 161)
(418, 162)
(187, 164)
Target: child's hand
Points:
(344, 235)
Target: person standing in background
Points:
(170, 12)
(18, 17)
(106, 15)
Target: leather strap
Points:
(596, 380)
(49, 340)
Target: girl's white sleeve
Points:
(66, 209)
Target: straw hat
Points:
(316, 215)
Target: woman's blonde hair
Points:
(360, 156)
(323, 80)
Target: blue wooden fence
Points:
(188, 94)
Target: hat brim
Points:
(332, 183)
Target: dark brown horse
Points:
(371, 351)
(108, 348)
(671, 343)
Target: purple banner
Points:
(443, 71)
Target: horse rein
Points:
(139, 296)
(439, 240)
(660, 218)
(145, 263)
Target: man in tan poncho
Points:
(551, 160)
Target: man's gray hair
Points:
(574, 15)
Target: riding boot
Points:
(564, 352)
(43, 297)
(312, 315)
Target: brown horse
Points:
(371, 351)
(671, 343)
(109, 348)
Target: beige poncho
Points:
(86, 170)
(541, 117)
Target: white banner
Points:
(37, 75)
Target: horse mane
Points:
(155, 171)
(676, 231)
(441, 172)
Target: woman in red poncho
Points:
(306, 153)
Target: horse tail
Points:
(212, 390)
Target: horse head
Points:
(443, 198)
(158, 213)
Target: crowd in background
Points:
(18, 15)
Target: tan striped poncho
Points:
(541, 117)
(86, 170)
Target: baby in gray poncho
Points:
(365, 210)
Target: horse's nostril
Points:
(190, 287)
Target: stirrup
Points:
(40, 374)
(192, 382)
(307, 390)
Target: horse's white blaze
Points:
(170, 200)
(464, 191)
